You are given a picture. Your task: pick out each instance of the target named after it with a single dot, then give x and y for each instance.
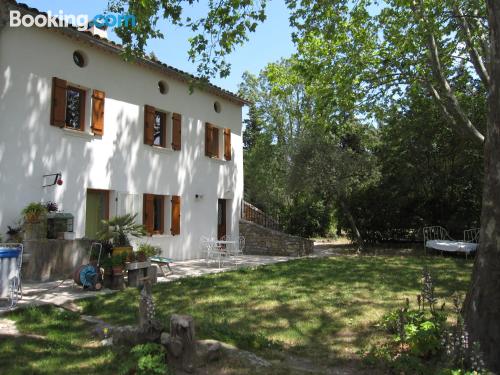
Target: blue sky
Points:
(270, 42)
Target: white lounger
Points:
(437, 238)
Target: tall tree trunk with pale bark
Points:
(482, 305)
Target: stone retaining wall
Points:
(48, 260)
(263, 241)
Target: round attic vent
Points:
(79, 59)
(162, 87)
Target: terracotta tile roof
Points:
(117, 48)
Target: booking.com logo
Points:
(80, 21)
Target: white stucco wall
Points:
(119, 161)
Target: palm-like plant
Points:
(118, 228)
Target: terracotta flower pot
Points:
(117, 270)
(122, 249)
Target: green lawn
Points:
(323, 310)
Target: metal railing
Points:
(251, 213)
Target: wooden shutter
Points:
(98, 112)
(208, 139)
(149, 121)
(215, 142)
(176, 131)
(148, 212)
(162, 214)
(176, 215)
(227, 144)
(58, 105)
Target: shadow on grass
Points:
(307, 306)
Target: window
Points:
(75, 108)
(154, 213)
(213, 142)
(217, 107)
(162, 129)
(159, 129)
(68, 107)
(159, 211)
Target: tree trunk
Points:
(355, 231)
(482, 305)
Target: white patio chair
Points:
(241, 243)
(206, 244)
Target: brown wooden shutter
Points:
(98, 112)
(148, 212)
(58, 105)
(176, 215)
(149, 121)
(208, 139)
(227, 144)
(176, 131)
(215, 142)
(162, 214)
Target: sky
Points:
(270, 42)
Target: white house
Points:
(126, 137)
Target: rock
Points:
(214, 352)
(107, 342)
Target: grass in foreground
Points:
(323, 310)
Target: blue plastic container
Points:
(9, 252)
(9, 258)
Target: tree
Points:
(369, 59)
(225, 25)
(333, 167)
(482, 307)
(356, 60)
(279, 113)
(429, 173)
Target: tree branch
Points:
(477, 61)
(450, 101)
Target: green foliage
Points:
(424, 339)
(118, 259)
(148, 250)
(147, 359)
(423, 179)
(33, 212)
(106, 262)
(119, 228)
(223, 26)
(417, 334)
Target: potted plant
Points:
(34, 212)
(34, 221)
(51, 206)
(145, 251)
(118, 263)
(14, 233)
(118, 229)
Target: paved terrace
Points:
(64, 291)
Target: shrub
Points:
(33, 212)
(119, 228)
(147, 359)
